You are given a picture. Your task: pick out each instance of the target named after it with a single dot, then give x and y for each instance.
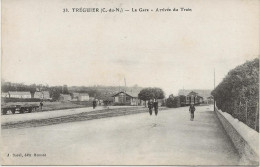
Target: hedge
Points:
(238, 93)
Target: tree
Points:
(158, 93)
(55, 92)
(32, 88)
(145, 94)
(6, 86)
(151, 93)
(65, 89)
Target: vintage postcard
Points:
(128, 82)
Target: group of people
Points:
(153, 103)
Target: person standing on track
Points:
(94, 103)
(192, 110)
(155, 105)
(41, 104)
(150, 106)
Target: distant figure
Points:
(192, 110)
(94, 104)
(150, 106)
(41, 104)
(155, 105)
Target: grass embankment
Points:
(49, 106)
(85, 116)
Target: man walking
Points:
(192, 110)
(150, 106)
(155, 105)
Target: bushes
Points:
(240, 90)
(173, 102)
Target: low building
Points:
(126, 98)
(46, 95)
(65, 97)
(21, 95)
(5, 94)
(80, 97)
(83, 97)
(37, 95)
(42, 95)
(75, 96)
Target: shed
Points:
(65, 97)
(125, 98)
(21, 95)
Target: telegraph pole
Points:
(214, 88)
(125, 89)
(125, 83)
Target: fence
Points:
(248, 114)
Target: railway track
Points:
(98, 114)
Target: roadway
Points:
(139, 139)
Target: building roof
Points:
(192, 93)
(132, 94)
(19, 93)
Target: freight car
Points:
(193, 98)
(20, 108)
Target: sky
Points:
(170, 50)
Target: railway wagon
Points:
(193, 98)
(20, 108)
(196, 100)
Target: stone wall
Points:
(242, 141)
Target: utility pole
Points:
(125, 89)
(214, 88)
(125, 84)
